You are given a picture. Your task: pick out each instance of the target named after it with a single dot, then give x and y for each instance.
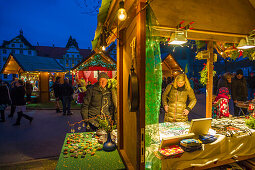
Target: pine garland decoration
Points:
(204, 75)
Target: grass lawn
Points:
(50, 105)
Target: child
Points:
(221, 104)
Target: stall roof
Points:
(216, 16)
(105, 56)
(31, 63)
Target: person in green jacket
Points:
(175, 97)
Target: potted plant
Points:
(106, 123)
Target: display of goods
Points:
(171, 151)
(207, 138)
(190, 142)
(230, 127)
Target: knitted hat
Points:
(103, 75)
(240, 71)
(224, 90)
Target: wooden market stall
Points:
(90, 67)
(35, 69)
(170, 67)
(214, 20)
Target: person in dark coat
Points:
(225, 81)
(97, 101)
(239, 89)
(67, 92)
(29, 89)
(19, 95)
(4, 99)
(57, 93)
(13, 103)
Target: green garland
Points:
(112, 83)
(251, 121)
(97, 61)
(204, 75)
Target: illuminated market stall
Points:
(35, 69)
(146, 25)
(91, 66)
(142, 26)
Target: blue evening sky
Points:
(47, 21)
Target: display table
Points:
(224, 148)
(100, 160)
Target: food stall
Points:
(37, 70)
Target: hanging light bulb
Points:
(122, 14)
(103, 39)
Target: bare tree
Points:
(89, 7)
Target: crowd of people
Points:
(232, 86)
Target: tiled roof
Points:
(23, 39)
(52, 52)
(37, 63)
(58, 52)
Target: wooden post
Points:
(141, 69)
(120, 89)
(44, 87)
(209, 86)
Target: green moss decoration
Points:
(250, 122)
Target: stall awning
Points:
(101, 17)
(224, 16)
(17, 63)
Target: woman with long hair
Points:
(175, 97)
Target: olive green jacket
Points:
(176, 101)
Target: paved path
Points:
(43, 138)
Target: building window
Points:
(21, 45)
(29, 52)
(4, 59)
(14, 76)
(5, 76)
(78, 56)
(4, 51)
(13, 45)
(67, 55)
(13, 51)
(21, 51)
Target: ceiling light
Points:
(247, 43)
(179, 37)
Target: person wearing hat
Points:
(97, 101)
(57, 93)
(175, 97)
(239, 90)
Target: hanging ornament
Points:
(79, 128)
(83, 125)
